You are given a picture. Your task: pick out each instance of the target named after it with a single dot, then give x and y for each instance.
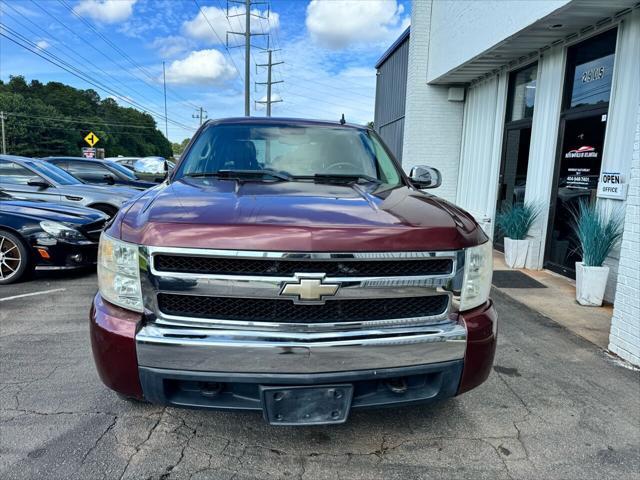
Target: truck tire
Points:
(15, 262)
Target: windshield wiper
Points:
(344, 178)
(244, 174)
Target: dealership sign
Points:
(612, 185)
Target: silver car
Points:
(34, 179)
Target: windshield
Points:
(150, 165)
(121, 169)
(299, 151)
(54, 173)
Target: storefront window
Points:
(590, 70)
(522, 93)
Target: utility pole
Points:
(166, 120)
(247, 34)
(269, 82)
(201, 114)
(4, 142)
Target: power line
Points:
(57, 42)
(218, 37)
(57, 61)
(85, 120)
(122, 52)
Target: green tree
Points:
(53, 119)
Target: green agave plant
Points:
(514, 221)
(597, 232)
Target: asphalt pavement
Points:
(555, 407)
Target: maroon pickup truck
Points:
(291, 267)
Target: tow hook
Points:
(397, 385)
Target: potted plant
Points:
(597, 234)
(514, 221)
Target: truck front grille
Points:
(285, 311)
(285, 268)
(245, 290)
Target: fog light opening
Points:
(397, 385)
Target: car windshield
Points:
(150, 165)
(298, 151)
(54, 173)
(121, 169)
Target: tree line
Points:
(53, 119)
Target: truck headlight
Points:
(478, 269)
(61, 231)
(119, 273)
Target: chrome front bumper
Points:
(241, 351)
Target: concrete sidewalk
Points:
(558, 302)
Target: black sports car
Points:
(35, 234)
(99, 172)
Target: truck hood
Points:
(295, 216)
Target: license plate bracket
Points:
(306, 405)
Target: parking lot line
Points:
(43, 292)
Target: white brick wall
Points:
(433, 125)
(624, 339)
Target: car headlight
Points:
(119, 273)
(478, 269)
(61, 231)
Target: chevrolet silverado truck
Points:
(292, 267)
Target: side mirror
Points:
(166, 169)
(109, 179)
(425, 177)
(38, 182)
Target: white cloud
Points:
(43, 44)
(339, 24)
(105, 11)
(171, 46)
(201, 67)
(212, 17)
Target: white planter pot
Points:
(515, 252)
(590, 284)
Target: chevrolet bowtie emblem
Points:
(308, 289)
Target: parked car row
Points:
(53, 210)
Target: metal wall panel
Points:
(391, 93)
(481, 149)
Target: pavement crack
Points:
(141, 444)
(95, 444)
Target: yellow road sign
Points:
(91, 139)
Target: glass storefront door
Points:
(517, 140)
(583, 124)
(579, 169)
(513, 172)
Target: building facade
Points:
(530, 101)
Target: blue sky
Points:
(329, 48)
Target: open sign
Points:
(612, 185)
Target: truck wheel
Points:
(14, 258)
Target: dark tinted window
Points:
(80, 168)
(14, 174)
(124, 171)
(54, 173)
(590, 70)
